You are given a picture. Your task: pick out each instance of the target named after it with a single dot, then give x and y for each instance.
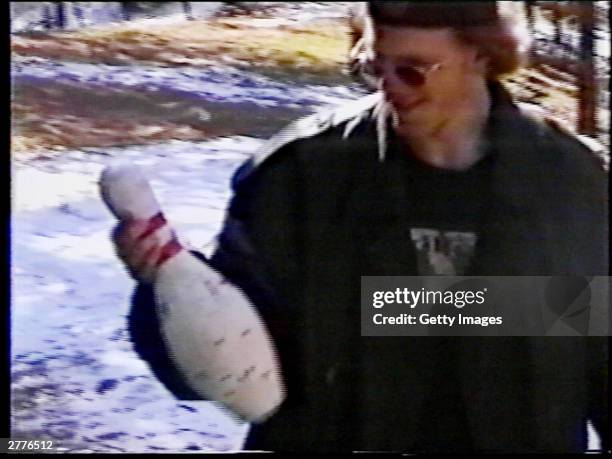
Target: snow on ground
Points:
(76, 378)
(216, 83)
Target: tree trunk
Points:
(529, 12)
(125, 11)
(60, 15)
(47, 18)
(587, 104)
(188, 11)
(530, 15)
(557, 25)
(78, 13)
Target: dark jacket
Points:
(316, 211)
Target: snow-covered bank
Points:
(71, 105)
(214, 83)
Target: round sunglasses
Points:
(409, 74)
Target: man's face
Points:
(450, 70)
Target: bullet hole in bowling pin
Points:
(219, 342)
(225, 378)
(211, 288)
(246, 332)
(229, 393)
(246, 373)
(164, 309)
(201, 375)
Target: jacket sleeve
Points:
(255, 241)
(599, 395)
(598, 347)
(144, 330)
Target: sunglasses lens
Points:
(410, 76)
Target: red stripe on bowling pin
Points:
(171, 248)
(154, 223)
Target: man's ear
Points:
(481, 62)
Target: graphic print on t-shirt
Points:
(446, 253)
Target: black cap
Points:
(434, 14)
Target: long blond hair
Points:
(504, 39)
(500, 33)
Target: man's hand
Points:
(140, 255)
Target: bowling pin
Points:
(214, 335)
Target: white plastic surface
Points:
(127, 192)
(214, 335)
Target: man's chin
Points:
(407, 107)
(415, 117)
(414, 110)
(416, 123)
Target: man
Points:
(437, 173)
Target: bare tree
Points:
(530, 14)
(557, 24)
(587, 102)
(125, 10)
(60, 15)
(47, 18)
(188, 11)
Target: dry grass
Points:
(320, 48)
(52, 118)
(557, 98)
